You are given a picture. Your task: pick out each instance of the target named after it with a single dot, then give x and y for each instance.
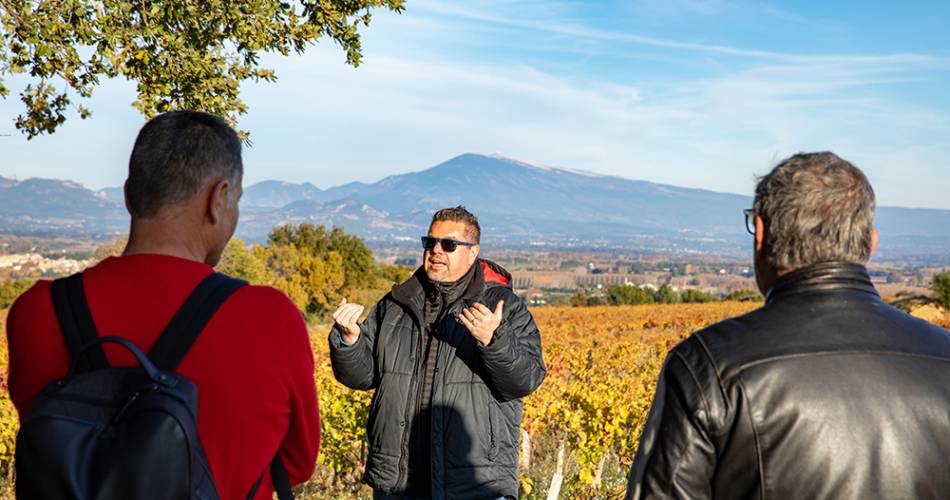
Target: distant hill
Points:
(276, 194)
(524, 204)
(115, 194)
(46, 207)
(518, 204)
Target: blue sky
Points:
(698, 93)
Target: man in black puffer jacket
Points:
(451, 353)
(826, 392)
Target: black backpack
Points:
(103, 433)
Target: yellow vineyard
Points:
(602, 367)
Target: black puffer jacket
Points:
(826, 392)
(476, 396)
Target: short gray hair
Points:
(175, 155)
(817, 207)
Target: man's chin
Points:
(437, 274)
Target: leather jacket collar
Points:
(827, 276)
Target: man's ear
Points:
(218, 200)
(874, 241)
(125, 196)
(473, 254)
(759, 233)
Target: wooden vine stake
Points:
(558, 477)
(525, 450)
(600, 472)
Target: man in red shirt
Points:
(252, 363)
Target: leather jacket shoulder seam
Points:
(755, 437)
(770, 359)
(715, 369)
(699, 387)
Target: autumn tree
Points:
(617, 295)
(692, 296)
(111, 248)
(744, 295)
(312, 282)
(358, 264)
(10, 289)
(665, 295)
(941, 289)
(182, 54)
(314, 266)
(241, 262)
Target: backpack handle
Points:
(153, 372)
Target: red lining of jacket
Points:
(493, 276)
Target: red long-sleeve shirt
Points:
(252, 363)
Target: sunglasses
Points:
(448, 246)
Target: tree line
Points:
(316, 267)
(628, 294)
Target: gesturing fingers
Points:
(352, 315)
(342, 308)
(487, 314)
(484, 311)
(347, 313)
(467, 322)
(470, 315)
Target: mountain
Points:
(115, 194)
(357, 217)
(519, 205)
(47, 207)
(275, 194)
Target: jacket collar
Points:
(827, 276)
(411, 293)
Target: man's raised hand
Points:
(482, 321)
(346, 317)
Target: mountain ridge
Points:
(517, 202)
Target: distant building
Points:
(27, 264)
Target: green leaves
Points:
(941, 289)
(184, 54)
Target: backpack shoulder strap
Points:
(191, 318)
(75, 320)
(279, 478)
(278, 475)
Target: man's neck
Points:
(160, 236)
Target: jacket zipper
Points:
(413, 388)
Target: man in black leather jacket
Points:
(826, 392)
(450, 353)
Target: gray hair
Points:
(175, 155)
(817, 207)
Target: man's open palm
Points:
(482, 321)
(346, 317)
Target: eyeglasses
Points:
(749, 220)
(448, 246)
